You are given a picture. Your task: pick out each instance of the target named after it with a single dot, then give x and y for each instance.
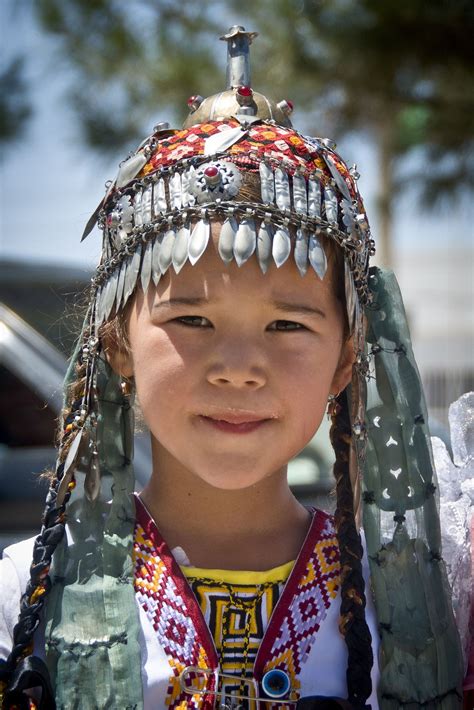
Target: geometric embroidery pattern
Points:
(300, 612)
(275, 141)
(174, 612)
(169, 612)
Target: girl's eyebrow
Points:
(184, 301)
(281, 305)
(299, 308)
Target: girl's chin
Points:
(233, 480)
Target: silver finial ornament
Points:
(238, 61)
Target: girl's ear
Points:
(118, 356)
(343, 374)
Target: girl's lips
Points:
(242, 427)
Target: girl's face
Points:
(233, 368)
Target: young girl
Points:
(230, 298)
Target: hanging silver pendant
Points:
(131, 276)
(281, 247)
(338, 178)
(130, 169)
(126, 278)
(199, 239)
(314, 197)
(317, 256)
(187, 199)
(137, 209)
(267, 184)
(223, 140)
(102, 302)
(166, 251)
(106, 241)
(351, 295)
(70, 465)
(147, 199)
(159, 197)
(115, 241)
(125, 217)
(155, 259)
(301, 250)
(330, 205)
(226, 239)
(245, 240)
(180, 247)
(264, 246)
(110, 293)
(282, 190)
(145, 273)
(120, 287)
(348, 217)
(175, 191)
(300, 197)
(99, 306)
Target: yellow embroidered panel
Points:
(237, 607)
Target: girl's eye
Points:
(285, 325)
(194, 321)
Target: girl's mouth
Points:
(234, 427)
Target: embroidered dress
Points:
(290, 615)
(301, 636)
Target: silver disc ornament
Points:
(216, 180)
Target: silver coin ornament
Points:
(125, 217)
(215, 181)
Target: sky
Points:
(50, 182)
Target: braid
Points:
(352, 623)
(17, 672)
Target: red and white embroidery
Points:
(166, 597)
(303, 605)
(168, 602)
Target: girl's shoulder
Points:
(17, 559)
(14, 575)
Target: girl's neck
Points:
(255, 528)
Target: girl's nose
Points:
(238, 364)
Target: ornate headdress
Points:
(156, 216)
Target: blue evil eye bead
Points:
(276, 683)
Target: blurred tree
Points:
(132, 61)
(15, 108)
(399, 69)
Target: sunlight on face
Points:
(233, 368)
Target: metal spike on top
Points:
(238, 100)
(238, 56)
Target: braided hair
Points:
(21, 670)
(352, 622)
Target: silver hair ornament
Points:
(199, 239)
(245, 240)
(226, 239)
(181, 247)
(264, 245)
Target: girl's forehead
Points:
(212, 279)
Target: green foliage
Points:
(132, 62)
(15, 108)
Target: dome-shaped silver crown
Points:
(239, 99)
